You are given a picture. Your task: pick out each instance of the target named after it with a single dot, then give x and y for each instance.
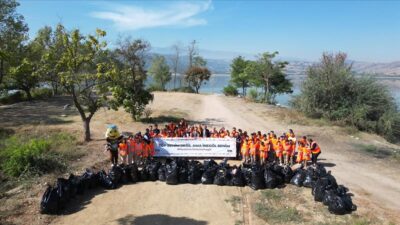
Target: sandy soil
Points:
(374, 182)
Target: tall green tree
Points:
(269, 75)
(13, 32)
(129, 90)
(195, 76)
(160, 71)
(238, 76)
(84, 75)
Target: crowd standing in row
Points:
(251, 148)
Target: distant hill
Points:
(219, 62)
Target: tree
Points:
(238, 76)
(332, 91)
(129, 91)
(160, 71)
(196, 75)
(269, 75)
(84, 75)
(199, 61)
(13, 31)
(175, 62)
(192, 52)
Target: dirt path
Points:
(375, 186)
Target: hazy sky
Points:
(366, 30)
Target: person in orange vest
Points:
(139, 148)
(123, 151)
(150, 149)
(299, 158)
(131, 149)
(264, 149)
(315, 151)
(279, 151)
(287, 151)
(303, 154)
(253, 146)
(245, 150)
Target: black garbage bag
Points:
(320, 171)
(133, 173)
(115, 173)
(82, 185)
(221, 177)
(309, 180)
(298, 178)
(287, 173)
(209, 174)
(257, 177)
(63, 191)
(331, 181)
(152, 169)
(237, 177)
(183, 174)
(125, 170)
(161, 173)
(73, 183)
(106, 181)
(49, 202)
(270, 179)
(172, 173)
(195, 170)
(320, 187)
(209, 163)
(90, 178)
(247, 175)
(143, 174)
(341, 205)
(329, 196)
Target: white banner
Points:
(195, 147)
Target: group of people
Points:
(254, 147)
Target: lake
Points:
(217, 83)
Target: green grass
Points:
(25, 155)
(379, 152)
(279, 215)
(272, 194)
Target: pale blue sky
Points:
(366, 30)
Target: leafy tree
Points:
(160, 71)
(238, 76)
(199, 61)
(83, 75)
(195, 76)
(230, 90)
(269, 75)
(13, 31)
(129, 90)
(332, 91)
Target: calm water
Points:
(218, 81)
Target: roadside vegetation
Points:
(333, 92)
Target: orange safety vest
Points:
(264, 149)
(123, 149)
(274, 142)
(317, 149)
(300, 153)
(279, 149)
(245, 148)
(287, 148)
(254, 147)
(139, 148)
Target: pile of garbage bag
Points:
(180, 171)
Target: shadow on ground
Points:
(158, 219)
(79, 202)
(37, 112)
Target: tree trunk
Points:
(28, 94)
(243, 90)
(86, 127)
(174, 80)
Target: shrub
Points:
(155, 88)
(22, 155)
(42, 93)
(253, 95)
(332, 91)
(230, 90)
(184, 89)
(10, 98)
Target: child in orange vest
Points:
(245, 150)
(123, 150)
(279, 151)
(264, 149)
(287, 151)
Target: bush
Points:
(155, 88)
(184, 89)
(230, 90)
(35, 156)
(42, 93)
(10, 98)
(332, 91)
(253, 95)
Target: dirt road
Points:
(375, 185)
